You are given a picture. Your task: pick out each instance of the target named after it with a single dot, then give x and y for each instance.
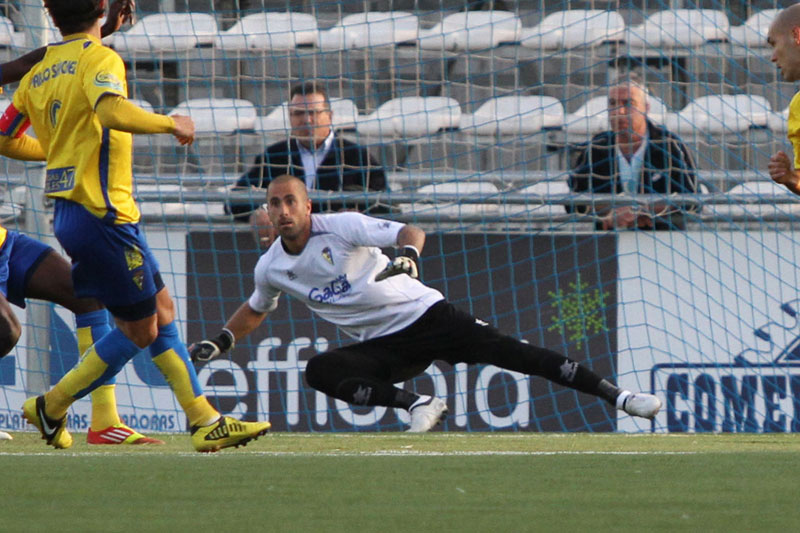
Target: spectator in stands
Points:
(313, 153)
(635, 157)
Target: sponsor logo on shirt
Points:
(331, 292)
(59, 179)
(107, 79)
(291, 275)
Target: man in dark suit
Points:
(314, 153)
(635, 157)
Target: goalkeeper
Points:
(333, 264)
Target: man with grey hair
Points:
(634, 157)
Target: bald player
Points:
(784, 38)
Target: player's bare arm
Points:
(119, 12)
(782, 171)
(242, 323)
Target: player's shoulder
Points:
(93, 53)
(794, 105)
(268, 258)
(343, 223)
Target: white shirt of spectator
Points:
(312, 159)
(631, 171)
(334, 276)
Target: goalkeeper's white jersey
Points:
(334, 276)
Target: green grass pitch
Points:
(397, 482)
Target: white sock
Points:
(622, 397)
(421, 400)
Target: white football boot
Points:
(639, 404)
(426, 413)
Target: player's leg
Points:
(359, 374)
(51, 280)
(105, 266)
(365, 373)
(10, 328)
(463, 338)
(210, 430)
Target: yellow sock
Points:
(200, 413)
(104, 401)
(197, 409)
(104, 407)
(56, 402)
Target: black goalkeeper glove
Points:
(405, 263)
(209, 349)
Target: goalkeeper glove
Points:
(208, 349)
(405, 263)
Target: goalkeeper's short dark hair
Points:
(74, 16)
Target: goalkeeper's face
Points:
(289, 210)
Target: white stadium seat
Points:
(412, 116)
(472, 30)
(514, 115)
(574, 28)
(484, 188)
(766, 192)
(679, 28)
(218, 115)
(168, 32)
(753, 33)
(589, 119)
(373, 28)
(540, 191)
(717, 114)
(9, 37)
(776, 121)
(270, 31)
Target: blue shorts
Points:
(110, 262)
(19, 257)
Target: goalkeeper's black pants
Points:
(364, 373)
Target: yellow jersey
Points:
(86, 163)
(793, 127)
(3, 235)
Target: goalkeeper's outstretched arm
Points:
(242, 323)
(411, 235)
(410, 240)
